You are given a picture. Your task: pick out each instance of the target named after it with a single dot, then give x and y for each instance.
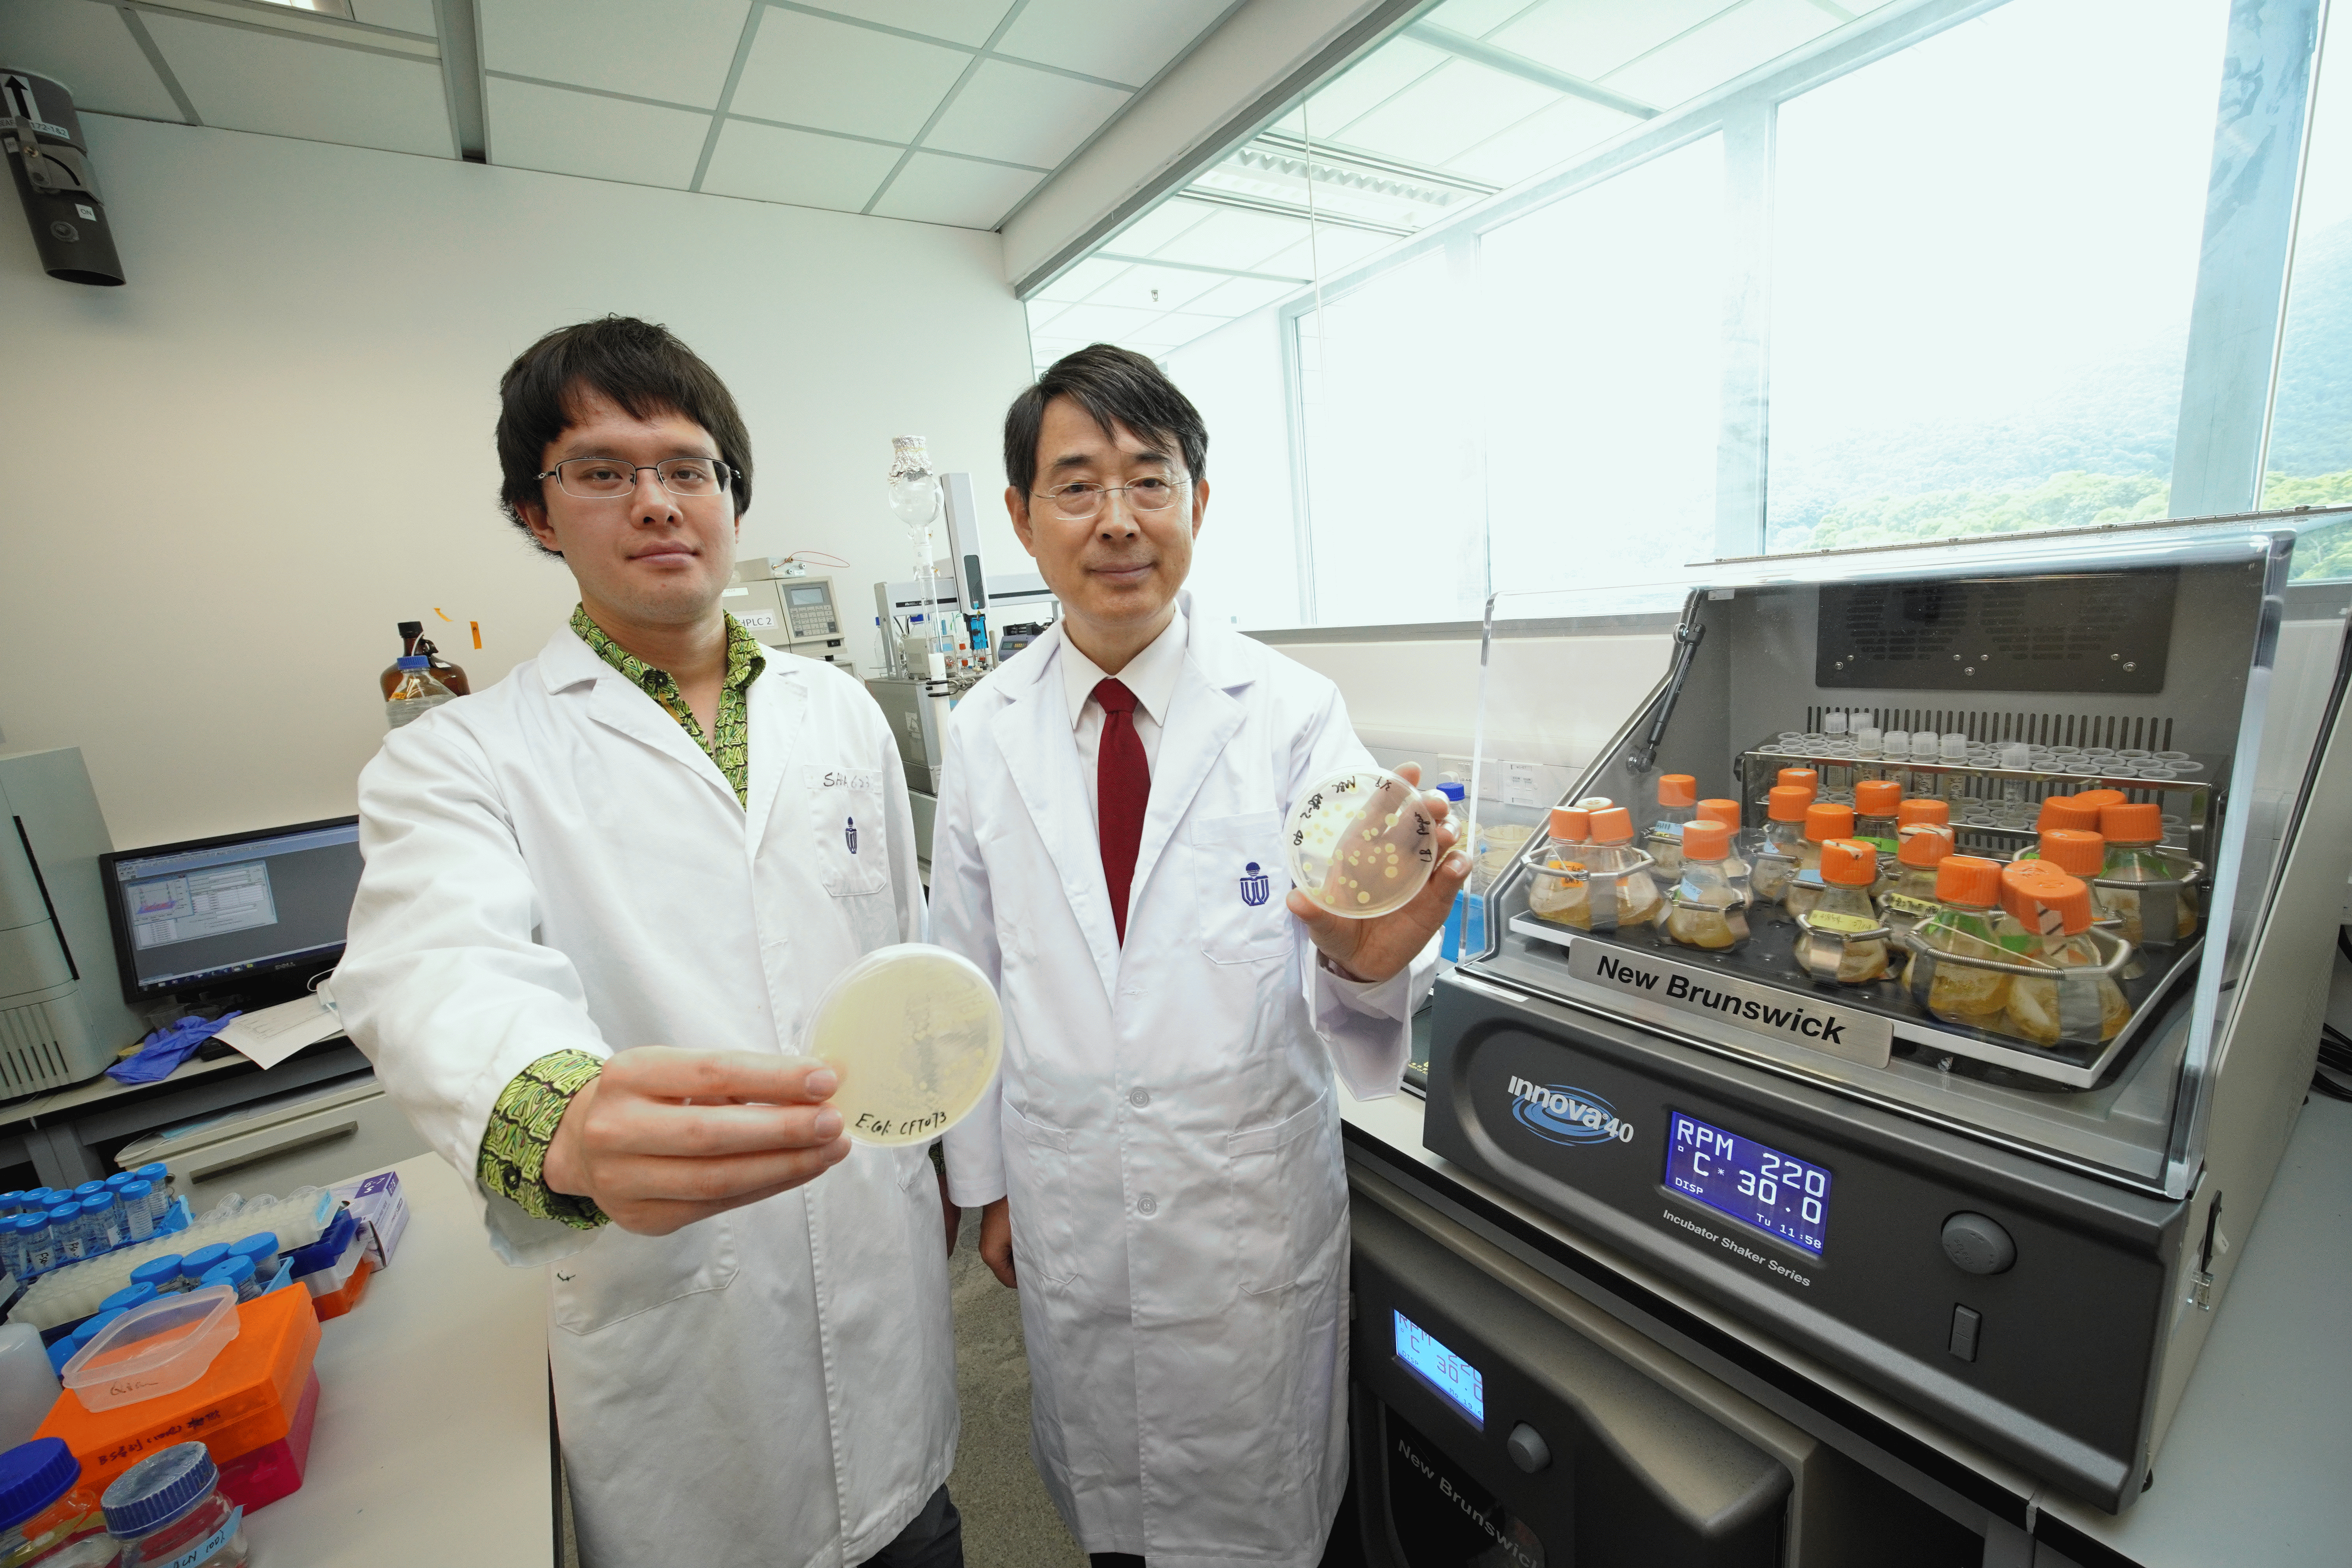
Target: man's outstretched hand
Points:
(664, 1137)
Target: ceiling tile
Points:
(769, 163)
(1479, 18)
(1080, 281)
(1022, 116)
(243, 80)
(1239, 296)
(957, 21)
(1155, 288)
(1173, 330)
(90, 50)
(1731, 46)
(1157, 226)
(678, 50)
(1548, 136)
(836, 77)
(401, 15)
(1593, 37)
(1386, 72)
(1333, 249)
(1128, 43)
(1099, 323)
(1236, 238)
(956, 190)
(1448, 112)
(564, 132)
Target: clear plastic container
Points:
(1964, 924)
(1702, 909)
(1841, 938)
(157, 1349)
(416, 692)
(1738, 868)
(2054, 910)
(1362, 843)
(2138, 881)
(1677, 803)
(1907, 895)
(915, 1033)
(29, 1385)
(1875, 803)
(1605, 885)
(1779, 850)
(163, 1187)
(1823, 821)
(168, 1509)
(66, 1233)
(138, 1219)
(102, 1225)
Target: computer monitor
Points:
(244, 906)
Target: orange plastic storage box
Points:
(252, 1408)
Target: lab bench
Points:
(333, 1119)
(436, 1434)
(2252, 1457)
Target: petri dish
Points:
(916, 1033)
(1361, 843)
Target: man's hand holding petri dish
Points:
(1399, 836)
(664, 1137)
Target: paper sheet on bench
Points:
(273, 1034)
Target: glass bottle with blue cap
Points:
(167, 1508)
(35, 1478)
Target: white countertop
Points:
(2256, 1452)
(432, 1443)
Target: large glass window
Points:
(1601, 323)
(1391, 457)
(1985, 250)
(2310, 459)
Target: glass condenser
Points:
(1980, 1132)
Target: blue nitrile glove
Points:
(166, 1049)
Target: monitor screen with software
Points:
(247, 905)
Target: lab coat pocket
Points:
(845, 806)
(1044, 1187)
(1288, 1193)
(1241, 877)
(625, 1274)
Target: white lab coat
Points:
(553, 863)
(1166, 1123)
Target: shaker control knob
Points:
(1977, 1245)
(1528, 1450)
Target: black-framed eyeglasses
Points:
(610, 478)
(1078, 501)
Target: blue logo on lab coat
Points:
(1255, 887)
(849, 832)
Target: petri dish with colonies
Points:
(1361, 843)
(916, 1033)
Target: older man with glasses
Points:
(1161, 1174)
(600, 898)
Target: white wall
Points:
(227, 480)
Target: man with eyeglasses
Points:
(1160, 1174)
(600, 898)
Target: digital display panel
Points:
(1778, 1194)
(805, 596)
(1461, 1384)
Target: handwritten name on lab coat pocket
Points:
(844, 807)
(1241, 879)
(626, 1274)
(1046, 1229)
(1288, 1193)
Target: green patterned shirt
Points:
(513, 1157)
(729, 743)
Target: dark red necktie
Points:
(1122, 789)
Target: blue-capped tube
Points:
(158, 1176)
(136, 1218)
(102, 1225)
(237, 1273)
(65, 1231)
(39, 1247)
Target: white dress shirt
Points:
(1150, 674)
